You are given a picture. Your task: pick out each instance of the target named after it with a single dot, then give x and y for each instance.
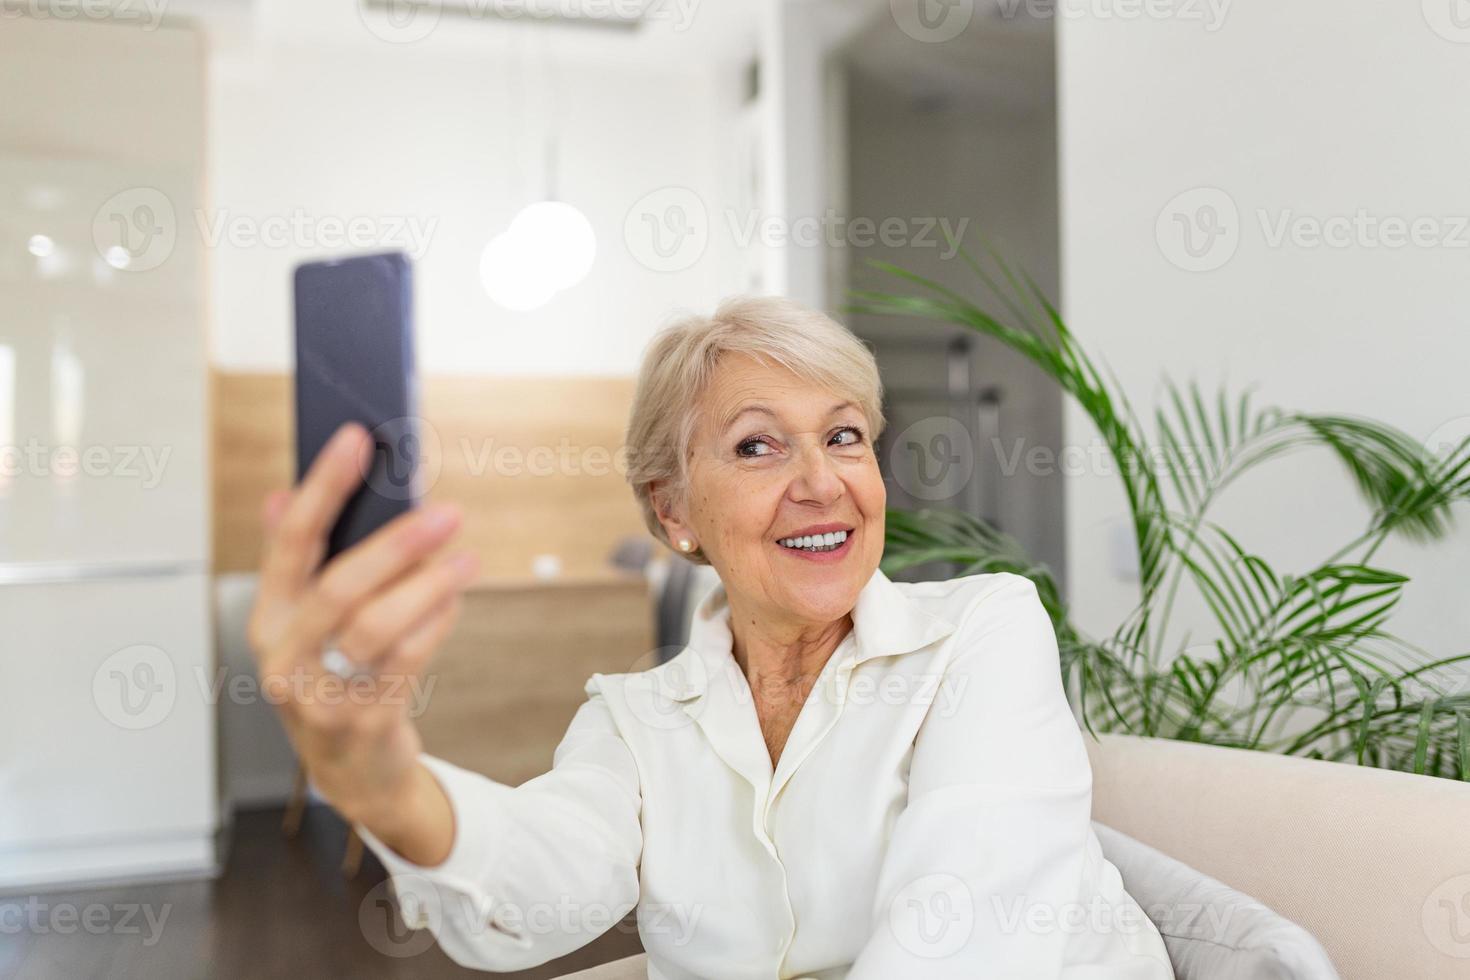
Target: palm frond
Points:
(1301, 663)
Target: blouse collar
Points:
(706, 684)
(886, 623)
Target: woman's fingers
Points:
(413, 651)
(271, 511)
(414, 621)
(387, 553)
(299, 537)
(351, 579)
(375, 628)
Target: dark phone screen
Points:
(354, 362)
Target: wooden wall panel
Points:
(534, 462)
(252, 455)
(508, 680)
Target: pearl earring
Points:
(686, 545)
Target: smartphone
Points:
(355, 363)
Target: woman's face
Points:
(776, 463)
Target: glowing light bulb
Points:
(549, 246)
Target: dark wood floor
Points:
(281, 909)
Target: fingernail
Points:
(440, 517)
(346, 438)
(466, 564)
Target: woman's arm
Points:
(533, 872)
(419, 827)
(506, 878)
(385, 605)
(987, 865)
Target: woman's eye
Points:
(849, 436)
(753, 447)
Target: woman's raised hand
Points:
(386, 604)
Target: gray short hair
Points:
(679, 362)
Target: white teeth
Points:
(815, 542)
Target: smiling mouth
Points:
(815, 544)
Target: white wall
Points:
(1315, 108)
(449, 136)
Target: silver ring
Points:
(336, 662)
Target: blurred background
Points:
(1260, 195)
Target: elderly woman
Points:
(840, 776)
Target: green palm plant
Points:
(1302, 664)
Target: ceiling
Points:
(674, 33)
(1003, 57)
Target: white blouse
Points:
(929, 815)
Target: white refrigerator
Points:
(107, 732)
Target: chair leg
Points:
(296, 805)
(352, 858)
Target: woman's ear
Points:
(672, 517)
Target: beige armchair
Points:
(1375, 864)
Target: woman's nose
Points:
(816, 480)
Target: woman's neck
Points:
(775, 656)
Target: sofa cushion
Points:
(1212, 931)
